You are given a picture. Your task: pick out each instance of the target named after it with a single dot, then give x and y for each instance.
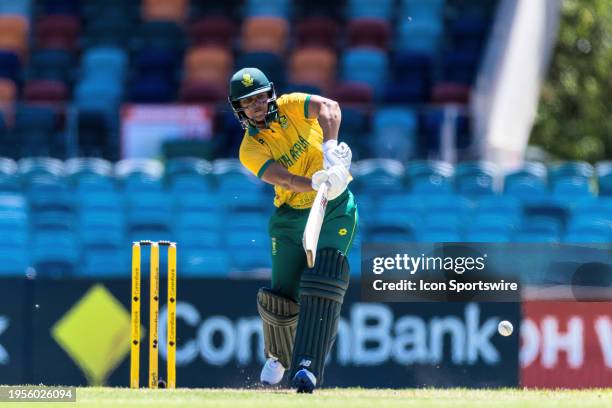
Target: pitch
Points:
(338, 397)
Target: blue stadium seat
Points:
(604, 178)
(599, 208)
(102, 228)
(412, 75)
(51, 64)
(395, 132)
(99, 96)
(388, 234)
(107, 200)
(159, 36)
(13, 201)
(571, 189)
(273, 8)
(14, 224)
(53, 220)
(79, 166)
(247, 220)
(378, 175)
(432, 121)
(104, 262)
(383, 222)
(105, 61)
(198, 202)
(419, 35)
(149, 211)
(353, 130)
(211, 220)
(571, 178)
(476, 178)
(541, 224)
(354, 257)
(571, 169)
(499, 205)
(469, 33)
(90, 174)
(447, 204)
(429, 177)
(200, 262)
(365, 65)
(528, 184)
(535, 237)
(421, 10)
(186, 175)
(368, 205)
(433, 220)
(486, 236)
(590, 223)
(232, 177)
(50, 194)
(140, 175)
(97, 90)
(35, 126)
(69, 7)
(10, 66)
(153, 63)
(494, 223)
(271, 64)
(400, 203)
(459, 66)
(15, 260)
(382, 9)
(21, 7)
(198, 237)
(152, 89)
(247, 238)
(443, 234)
(55, 253)
(248, 259)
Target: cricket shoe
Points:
(272, 372)
(304, 381)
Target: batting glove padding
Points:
(335, 153)
(338, 178)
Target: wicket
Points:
(153, 315)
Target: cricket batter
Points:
(291, 143)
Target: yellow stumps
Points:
(153, 316)
(135, 338)
(154, 379)
(171, 356)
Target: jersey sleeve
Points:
(254, 156)
(295, 104)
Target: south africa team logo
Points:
(342, 232)
(283, 122)
(247, 79)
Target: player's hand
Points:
(334, 154)
(338, 178)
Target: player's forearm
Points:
(277, 175)
(298, 184)
(329, 119)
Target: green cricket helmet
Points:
(248, 82)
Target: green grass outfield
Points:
(338, 397)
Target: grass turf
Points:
(339, 397)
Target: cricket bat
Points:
(310, 239)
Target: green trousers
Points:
(286, 229)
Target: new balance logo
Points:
(305, 363)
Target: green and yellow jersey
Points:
(295, 141)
